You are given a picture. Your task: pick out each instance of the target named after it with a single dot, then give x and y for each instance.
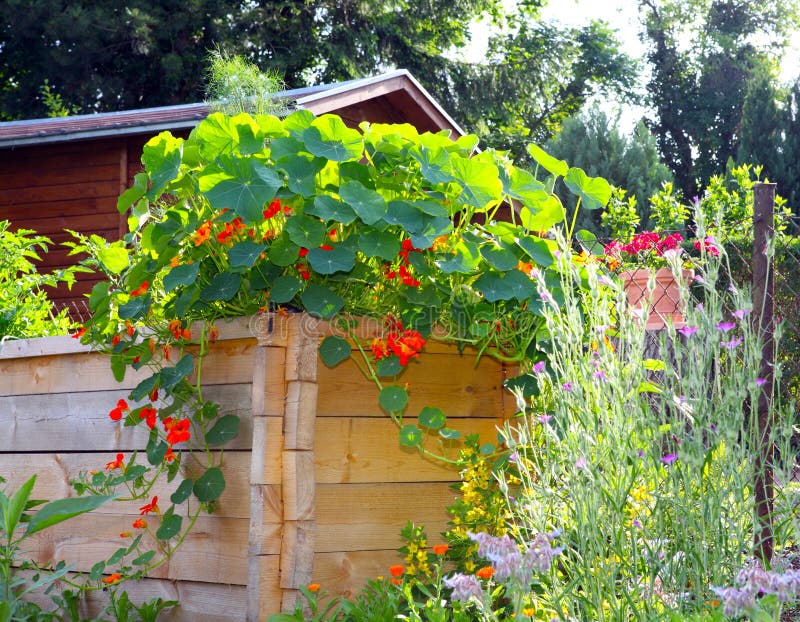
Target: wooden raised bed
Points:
(318, 486)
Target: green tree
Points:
(592, 141)
(108, 55)
(705, 56)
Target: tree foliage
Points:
(592, 141)
(103, 55)
(705, 57)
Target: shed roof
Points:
(399, 87)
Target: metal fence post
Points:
(763, 318)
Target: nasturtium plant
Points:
(263, 214)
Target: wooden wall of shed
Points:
(54, 403)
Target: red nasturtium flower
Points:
(202, 234)
(141, 290)
(148, 413)
(213, 333)
(405, 345)
(177, 431)
(79, 333)
(175, 328)
(485, 573)
(116, 413)
(129, 328)
(396, 570)
(273, 209)
(119, 463)
(303, 252)
(115, 340)
(112, 578)
(170, 455)
(125, 534)
(139, 523)
(149, 507)
(304, 273)
(379, 349)
(440, 549)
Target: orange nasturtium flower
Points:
(141, 290)
(112, 578)
(485, 573)
(213, 332)
(115, 340)
(440, 549)
(116, 413)
(125, 534)
(170, 455)
(202, 234)
(139, 523)
(396, 570)
(313, 587)
(175, 261)
(119, 463)
(129, 328)
(148, 413)
(177, 431)
(81, 330)
(149, 507)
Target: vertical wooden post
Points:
(262, 329)
(763, 300)
(297, 475)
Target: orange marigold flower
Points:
(116, 413)
(115, 340)
(112, 578)
(313, 587)
(149, 507)
(79, 333)
(148, 413)
(116, 464)
(396, 570)
(440, 549)
(125, 534)
(485, 573)
(202, 234)
(140, 523)
(141, 290)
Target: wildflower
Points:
(544, 418)
(129, 328)
(406, 345)
(175, 328)
(149, 507)
(79, 333)
(116, 413)
(170, 455)
(304, 273)
(707, 245)
(141, 290)
(567, 386)
(396, 570)
(464, 587)
(119, 463)
(725, 326)
(760, 382)
(581, 463)
(202, 234)
(538, 368)
(485, 573)
(303, 252)
(175, 261)
(740, 314)
(326, 247)
(687, 331)
(407, 248)
(733, 343)
(177, 431)
(669, 458)
(140, 523)
(600, 374)
(154, 394)
(112, 578)
(148, 413)
(313, 587)
(440, 549)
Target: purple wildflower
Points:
(599, 375)
(538, 368)
(669, 458)
(733, 343)
(567, 386)
(740, 314)
(726, 326)
(688, 331)
(760, 382)
(464, 587)
(580, 463)
(544, 418)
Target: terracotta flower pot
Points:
(665, 301)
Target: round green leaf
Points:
(339, 259)
(136, 307)
(321, 302)
(209, 485)
(410, 436)
(184, 274)
(244, 186)
(449, 434)
(595, 191)
(183, 492)
(114, 257)
(284, 289)
(306, 231)
(550, 164)
(328, 208)
(393, 398)
(390, 366)
(383, 244)
(328, 137)
(283, 251)
(432, 418)
(161, 157)
(368, 204)
(245, 254)
(225, 429)
(223, 286)
(333, 350)
(537, 249)
(170, 527)
(499, 258)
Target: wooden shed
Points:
(318, 483)
(66, 173)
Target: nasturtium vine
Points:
(258, 214)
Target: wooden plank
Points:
(80, 172)
(345, 573)
(56, 223)
(199, 602)
(355, 517)
(72, 207)
(99, 188)
(214, 551)
(297, 554)
(65, 422)
(298, 485)
(450, 381)
(54, 472)
(364, 450)
(230, 362)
